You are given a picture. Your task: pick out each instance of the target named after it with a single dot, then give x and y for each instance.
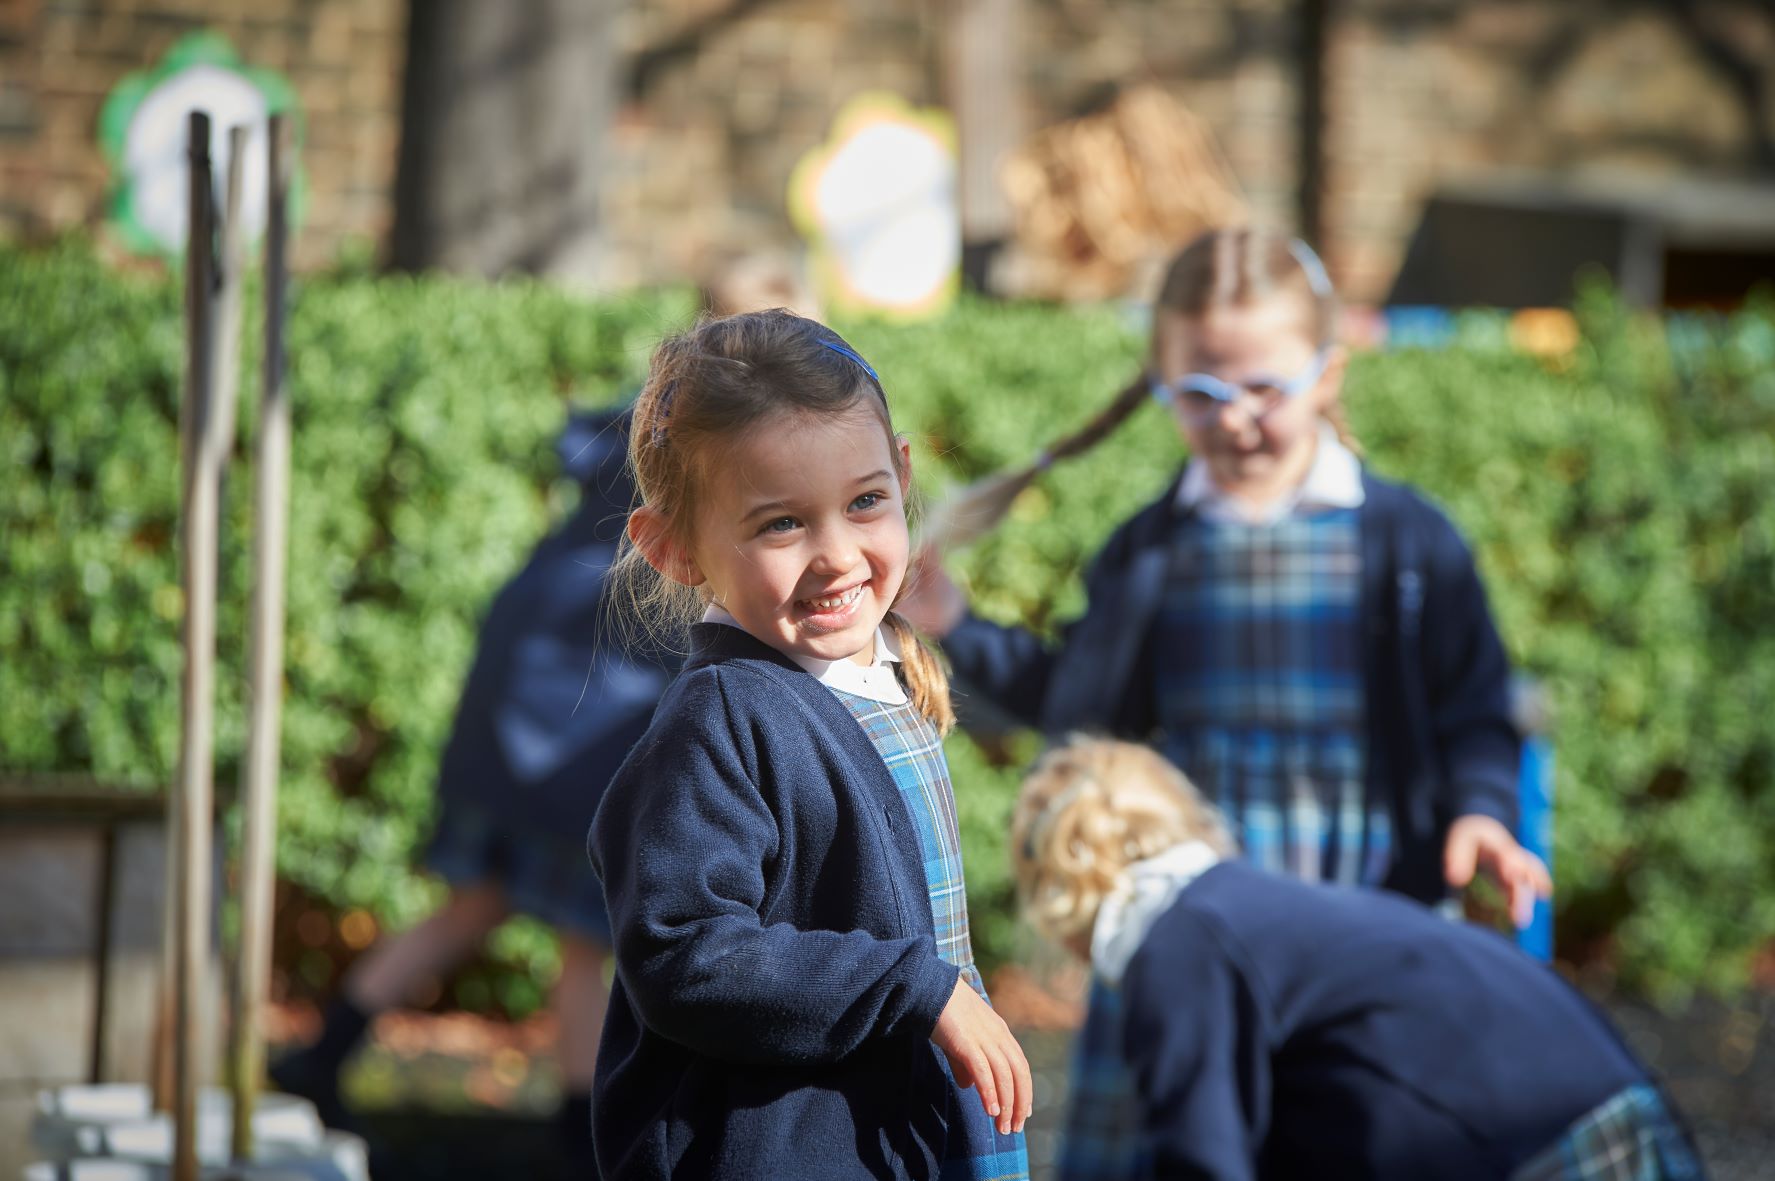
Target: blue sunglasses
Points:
(1202, 394)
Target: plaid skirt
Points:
(1630, 1137)
(913, 752)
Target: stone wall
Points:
(1425, 93)
(60, 58)
(720, 97)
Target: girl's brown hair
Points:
(706, 388)
(1087, 811)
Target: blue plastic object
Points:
(1535, 792)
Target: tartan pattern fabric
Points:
(913, 751)
(1260, 690)
(1630, 1137)
(1101, 1140)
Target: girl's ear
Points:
(905, 448)
(651, 532)
(1331, 383)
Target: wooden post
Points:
(193, 798)
(225, 341)
(982, 63)
(271, 487)
(1315, 21)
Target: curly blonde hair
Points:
(1087, 811)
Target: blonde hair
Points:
(707, 387)
(1237, 268)
(1087, 811)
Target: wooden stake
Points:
(225, 343)
(271, 488)
(193, 801)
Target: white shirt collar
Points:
(1143, 892)
(876, 681)
(1333, 481)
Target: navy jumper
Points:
(1272, 1028)
(777, 970)
(1439, 740)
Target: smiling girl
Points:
(795, 988)
(1307, 641)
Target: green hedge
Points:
(1618, 502)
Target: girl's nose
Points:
(1235, 418)
(837, 552)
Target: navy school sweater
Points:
(777, 974)
(1281, 1029)
(1440, 741)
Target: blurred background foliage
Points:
(1617, 498)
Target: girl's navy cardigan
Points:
(777, 975)
(1440, 740)
(1280, 1029)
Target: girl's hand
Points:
(932, 603)
(983, 1055)
(1480, 842)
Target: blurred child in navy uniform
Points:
(552, 704)
(1309, 642)
(1246, 1025)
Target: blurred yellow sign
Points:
(877, 204)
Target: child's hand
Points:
(983, 1055)
(1480, 842)
(932, 603)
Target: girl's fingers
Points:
(1459, 859)
(1025, 1086)
(980, 1064)
(1006, 1084)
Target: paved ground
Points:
(448, 1099)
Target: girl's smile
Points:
(802, 537)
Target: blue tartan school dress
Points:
(913, 751)
(1267, 713)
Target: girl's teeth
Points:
(848, 597)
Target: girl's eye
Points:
(866, 502)
(780, 525)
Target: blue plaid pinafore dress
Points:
(913, 751)
(1260, 691)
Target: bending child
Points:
(796, 993)
(1308, 641)
(1245, 1025)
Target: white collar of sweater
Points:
(874, 682)
(1333, 481)
(1143, 891)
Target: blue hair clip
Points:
(1318, 280)
(846, 351)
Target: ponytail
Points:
(926, 682)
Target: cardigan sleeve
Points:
(1012, 665)
(681, 843)
(1468, 677)
(1196, 1042)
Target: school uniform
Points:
(1327, 673)
(552, 704)
(1243, 1024)
(782, 869)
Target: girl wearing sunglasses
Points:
(1308, 642)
